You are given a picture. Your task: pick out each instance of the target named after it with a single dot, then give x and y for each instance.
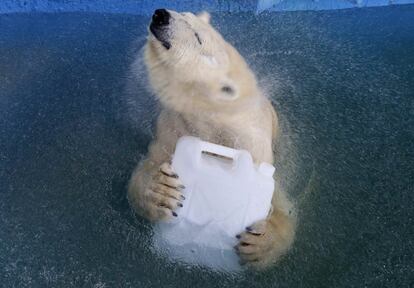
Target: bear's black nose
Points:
(161, 17)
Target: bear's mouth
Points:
(161, 35)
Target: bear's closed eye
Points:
(198, 37)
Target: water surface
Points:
(342, 82)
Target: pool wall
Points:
(147, 6)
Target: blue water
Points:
(70, 135)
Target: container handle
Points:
(218, 150)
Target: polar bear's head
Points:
(191, 67)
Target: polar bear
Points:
(206, 90)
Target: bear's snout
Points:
(159, 26)
(161, 17)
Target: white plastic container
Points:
(225, 192)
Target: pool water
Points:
(70, 135)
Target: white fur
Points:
(207, 90)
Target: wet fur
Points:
(188, 80)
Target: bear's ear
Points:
(204, 16)
(228, 90)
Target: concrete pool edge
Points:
(145, 7)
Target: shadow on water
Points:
(70, 137)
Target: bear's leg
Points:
(155, 193)
(264, 242)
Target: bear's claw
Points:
(163, 195)
(255, 245)
(167, 170)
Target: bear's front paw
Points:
(264, 242)
(163, 195)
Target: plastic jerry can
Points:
(225, 192)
